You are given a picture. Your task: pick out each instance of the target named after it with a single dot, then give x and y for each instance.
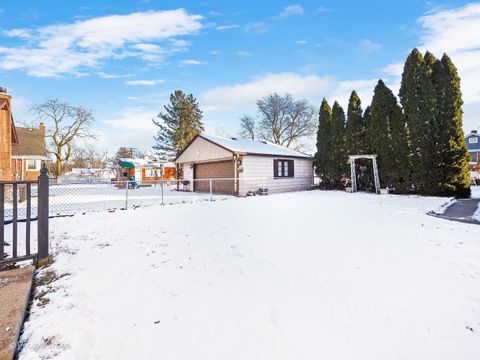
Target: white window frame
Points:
(473, 140)
(35, 167)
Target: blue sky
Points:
(122, 59)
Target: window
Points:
(473, 140)
(283, 168)
(32, 164)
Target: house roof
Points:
(132, 163)
(251, 147)
(31, 142)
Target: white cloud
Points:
(323, 9)
(188, 62)
(144, 82)
(455, 32)
(104, 75)
(244, 95)
(226, 27)
(290, 10)
(369, 46)
(216, 52)
(71, 48)
(342, 90)
(301, 42)
(244, 53)
(133, 119)
(256, 27)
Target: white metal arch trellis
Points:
(373, 157)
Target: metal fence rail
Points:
(16, 230)
(78, 198)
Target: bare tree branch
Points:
(285, 121)
(66, 123)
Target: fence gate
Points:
(22, 203)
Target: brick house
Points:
(22, 150)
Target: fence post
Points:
(43, 213)
(127, 185)
(162, 189)
(210, 189)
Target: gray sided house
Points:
(473, 144)
(239, 166)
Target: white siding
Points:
(203, 150)
(188, 174)
(258, 172)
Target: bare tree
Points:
(248, 127)
(66, 123)
(87, 157)
(286, 121)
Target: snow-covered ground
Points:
(310, 275)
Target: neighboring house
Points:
(473, 144)
(29, 153)
(144, 170)
(241, 166)
(22, 150)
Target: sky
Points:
(123, 59)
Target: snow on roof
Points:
(253, 146)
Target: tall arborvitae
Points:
(355, 128)
(400, 157)
(431, 99)
(415, 94)
(322, 157)
(378, 132)
(455, 157)
(339, 156)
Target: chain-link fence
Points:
(78, 198)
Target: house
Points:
(241, 166)
(22, 150)
(144, 170)
(29, 153)
(473, 144)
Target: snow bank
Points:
(312, 275)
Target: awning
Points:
(127, 164)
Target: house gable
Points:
(201, 149)
(472, 144)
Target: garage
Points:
(214, 170)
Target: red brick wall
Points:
(5, 141)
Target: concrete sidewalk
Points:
(461, 210)
(15, 287)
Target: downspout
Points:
(235, 157)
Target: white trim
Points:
(30, 157)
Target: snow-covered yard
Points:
(311, 275)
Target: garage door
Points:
(214, 170)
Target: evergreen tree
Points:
(454, 153)
(431, 98)
(178, 125)
(338, 157)
(355, 127)
(378, 132)
(322, 156)
(416, 94)
(355, 136)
